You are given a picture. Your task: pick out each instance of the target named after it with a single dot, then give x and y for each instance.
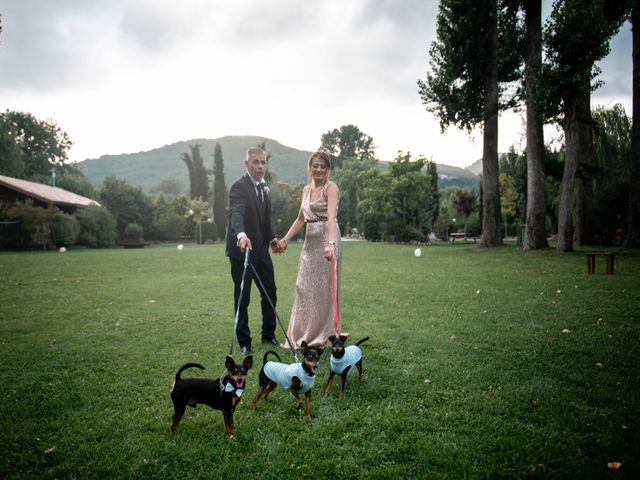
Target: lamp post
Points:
(197, 220)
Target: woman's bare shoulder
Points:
(332, 186)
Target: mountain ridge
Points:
(147, 169)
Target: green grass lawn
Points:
(481, 364)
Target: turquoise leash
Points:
(284, 331)
(235, 323)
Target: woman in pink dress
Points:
(313, 313)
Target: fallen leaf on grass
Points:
(552, 338)
(614, 465)
(624, 427)
(599, 365)
(554, 301)
(558, 291)
(477, 292)
(566, 330)
(152, 301)
(453, 337)
(49, 450)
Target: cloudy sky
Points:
(123, 76)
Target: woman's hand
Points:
(329, 250)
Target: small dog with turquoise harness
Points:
(343, 360)
(296, 377)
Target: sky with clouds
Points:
(124, 76)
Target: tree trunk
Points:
(633, 233)
(491, 222)
(584, 185)
(584, 196)
(578, 144)
(535, 233)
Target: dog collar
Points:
(229, 388)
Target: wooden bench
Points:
(591, 262)
(461, 235)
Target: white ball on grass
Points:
(418, 252)
(62, 250)
(180, 247)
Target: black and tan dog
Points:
(342, 361)
(222, 393)
(296, 377)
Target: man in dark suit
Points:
(250, 227)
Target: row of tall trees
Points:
(199, 184)
(488, 57)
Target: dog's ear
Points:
(229, 363)
(319, 350)
(304, 348)
(343, 338)
(332, 338)
(248, 362)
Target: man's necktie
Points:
(260, 188)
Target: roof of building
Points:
(45, 193)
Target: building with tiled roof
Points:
(12, 189)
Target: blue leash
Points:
(235, 323)
(247, 263)
(284, 331)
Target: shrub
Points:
(209, 231)
(396, 231)
(98, 228)
(34, 223)
(170, 226)
(133, 233)
(374, 224)
(64, 229)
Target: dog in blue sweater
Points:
(343, 360)
(298, 377)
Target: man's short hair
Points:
(255, 151)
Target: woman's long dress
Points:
(313, 313)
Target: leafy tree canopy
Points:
(575, 36)
(347, 142)
(42, 144)
(128, 204)
(454, 89)
(401, 199)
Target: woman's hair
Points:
(321, 156)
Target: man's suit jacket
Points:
(248, 214)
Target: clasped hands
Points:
(279, 246)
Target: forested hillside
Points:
(147, 169)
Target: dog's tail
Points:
(362, 340)
(184, 367)
(266, 354)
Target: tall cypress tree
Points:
(198, 179)
(219, 192)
